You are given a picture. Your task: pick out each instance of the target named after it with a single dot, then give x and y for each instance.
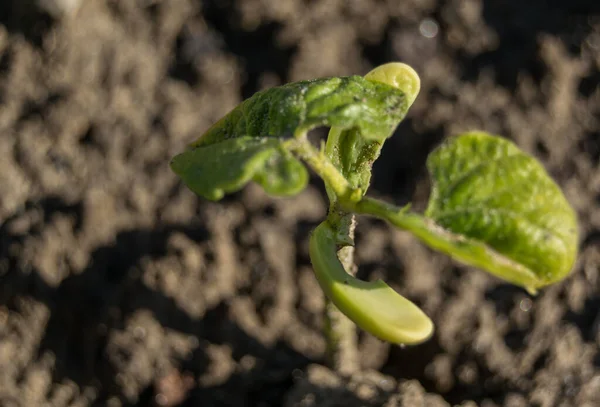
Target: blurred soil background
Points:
(119, 287)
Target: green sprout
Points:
(492, 206)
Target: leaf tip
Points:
(400, 76)
(176, 164)
(531, 290)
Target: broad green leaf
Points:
(486, 189)
(494, 207)
(213, 170)
(374, 108)
(248, 144)
(373, 306)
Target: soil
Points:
(119, 287)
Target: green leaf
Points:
(400, 76)
(373, 306)
(345, 102)
(351, 152)
(494, 207)
(486, 189)
(213, 170)
(249, 144)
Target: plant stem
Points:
(373, 306)
(340, 332)
(322, 165)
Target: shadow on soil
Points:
(84, 307)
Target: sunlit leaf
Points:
(213, 170)
(248, 144)
(487, 189)
(374, 108)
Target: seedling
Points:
(491, 206)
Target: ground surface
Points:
(119, 287)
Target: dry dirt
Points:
(119, 287)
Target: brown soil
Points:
(119, 287)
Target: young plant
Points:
(492, 206)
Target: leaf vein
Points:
(505, 211)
